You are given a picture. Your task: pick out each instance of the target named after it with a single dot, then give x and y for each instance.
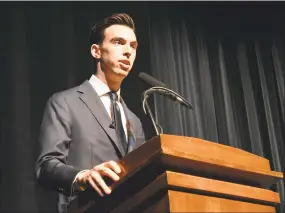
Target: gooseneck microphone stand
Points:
(165, 92)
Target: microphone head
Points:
(151, 80)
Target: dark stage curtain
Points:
(227, 59)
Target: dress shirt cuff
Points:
(75, 185)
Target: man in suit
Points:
(86, 129)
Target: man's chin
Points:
(122, 73)
(118, 73)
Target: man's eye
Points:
(117, 42)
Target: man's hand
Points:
(94, 177)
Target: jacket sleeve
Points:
(54, 139)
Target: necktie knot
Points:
(113, 96)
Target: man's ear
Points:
(95, 51)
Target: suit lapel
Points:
(95, 105)
(130, 129)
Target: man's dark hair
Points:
(97, 33)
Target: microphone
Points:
(151, 80)
(161, 88)
(170, 94)
(175, 97)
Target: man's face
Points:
(117, 52)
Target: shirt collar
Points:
(100, 87)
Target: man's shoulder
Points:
(67, 93)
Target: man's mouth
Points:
(124, 66)
(126, 62)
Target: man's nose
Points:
(127, 51)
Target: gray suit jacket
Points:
(75, 135)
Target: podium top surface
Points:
(203, 156)
(215, 152)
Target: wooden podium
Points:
(183, 174)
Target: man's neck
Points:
(113, 85)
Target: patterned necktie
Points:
(117, 119)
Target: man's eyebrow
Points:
(123, 39)
(117, 38)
